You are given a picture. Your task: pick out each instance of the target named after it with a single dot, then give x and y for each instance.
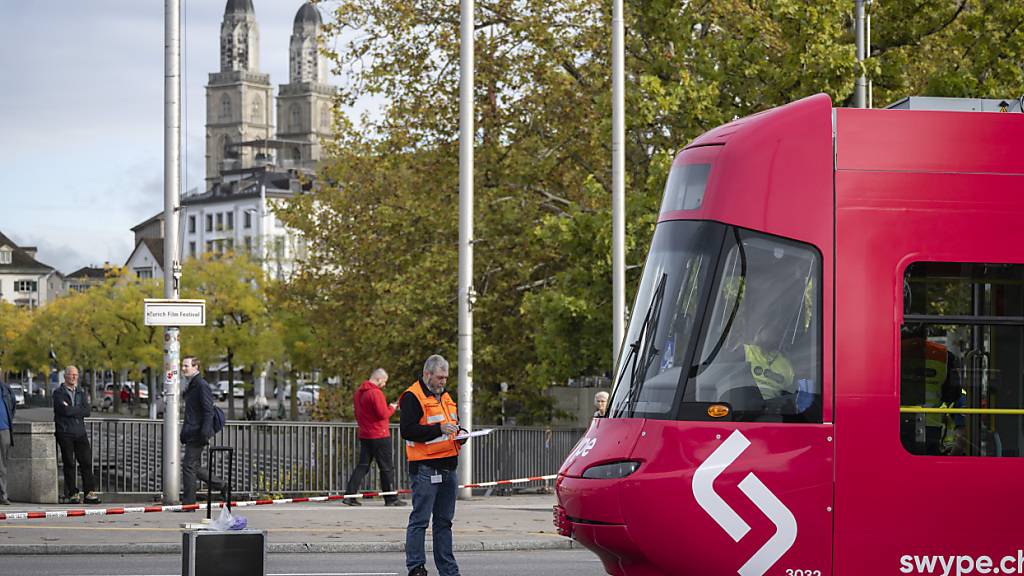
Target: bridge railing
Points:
(287, 458)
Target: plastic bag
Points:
(228, 521)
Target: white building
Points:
(24, 281)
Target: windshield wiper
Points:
(642, 350)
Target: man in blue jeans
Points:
(429, 424)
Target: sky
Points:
(81, 116)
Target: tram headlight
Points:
(612, 470)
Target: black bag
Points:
(218, 419)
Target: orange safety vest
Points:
(434, 412)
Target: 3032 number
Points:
(791, 572)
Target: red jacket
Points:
(372, 411)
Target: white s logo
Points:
(759, 494)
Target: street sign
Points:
(160, 312)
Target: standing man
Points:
(196, 430)
(7, 408)
(70, 409)
(372, 414)
(429, 424)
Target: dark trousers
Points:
(378, 449)
(192, 469)
(74, 448)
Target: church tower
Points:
(238, 97)
(304, 113)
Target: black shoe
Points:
(5, 502)
(92, 498)
(74, 499)
(351, 502)
(396, 502)
(418, 571)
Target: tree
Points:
(238, 320)
(380, 284)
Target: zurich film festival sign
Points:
(175, 312)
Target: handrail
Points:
(997, 411)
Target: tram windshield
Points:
(725, 316)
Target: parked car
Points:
(19, 394)
(222, 389)
(309, 394)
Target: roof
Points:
(89, 272)
(278, 185)
(155, 247)
(20, 259)
(308, 14)
(244, 6)
(159, 216)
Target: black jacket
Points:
(69, 416)
(7, 395)
(198, 400)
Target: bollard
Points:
(32, 470)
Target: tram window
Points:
(962, 360)
(761, 350)
(678, 268)
(684, 189)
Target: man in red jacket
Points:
(372, 414)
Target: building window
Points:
(220, 220)
(961, 351)
(325, 118)
(209, 222)
(257, 109)
(144, 273)
(231, 221)
(5, 256)
(247, 220)
(209, 246)
(192, 249)
(248, 244)
(191, 224)
(25, 286)
(296, 114)
(230, 244)
(225, 107)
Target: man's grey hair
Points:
(68, 368)
(378, 374)
(434, 364)
(602, 395)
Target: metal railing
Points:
(279, 458)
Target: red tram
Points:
(824, 370)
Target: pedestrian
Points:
(70, 409)
(372, 415)
(196, 430)
(7, 408)
(601, 403)
(429, 424)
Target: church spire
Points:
(306, 63)
(239, 38)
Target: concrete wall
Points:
(578, 402)
(32, 470)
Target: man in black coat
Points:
(70, 408)
(196, 430)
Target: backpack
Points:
(218, 419)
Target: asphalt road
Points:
(534, 563)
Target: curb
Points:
(287, 547)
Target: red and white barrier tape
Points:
(180, 507)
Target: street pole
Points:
(860, 90)
(466, 295)
(261, 385)
(867, 53)
(618, 182)
(172, 268)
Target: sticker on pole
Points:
(175, 312)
